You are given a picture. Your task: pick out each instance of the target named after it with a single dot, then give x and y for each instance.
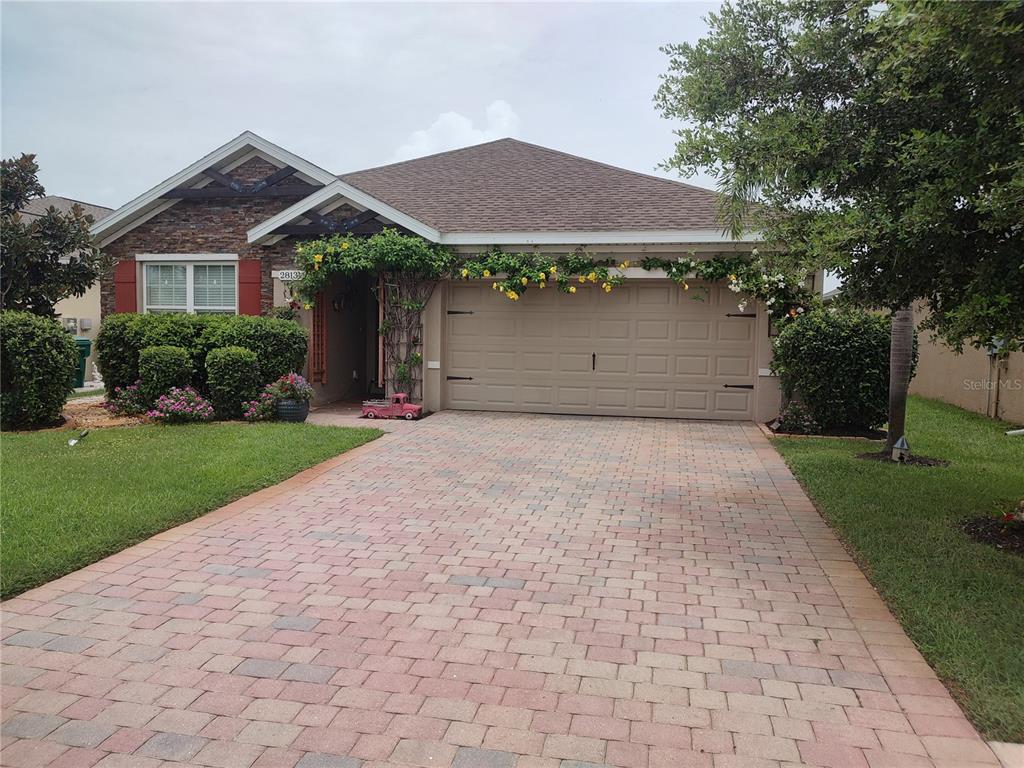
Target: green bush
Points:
(280, 345)
(162, 368)
(836, 363)
(38, 359)
(233, 377)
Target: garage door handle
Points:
(593, 361)
(738, 386)
(741, 314)
(460, 311)
(459, 378)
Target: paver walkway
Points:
(486, 590)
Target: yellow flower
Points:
(513, 295)
(318, 257)
(733, 278)
(344, 246)
(572, 289)
(494, 286)
(607, 288)
(542, 276)
(316, 266)
(487, 273)
(625, 264)
(524, 281)
(465, 273)
(307, 306)
(604, 285)
(582, 279)
(686, 286)
(543, 284)
(552, 269)
(592, 277)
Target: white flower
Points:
(742, 306)
(769, 301)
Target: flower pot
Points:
(292, 410)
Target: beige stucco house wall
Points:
(971, 380)
(85, 310)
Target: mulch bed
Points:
(863, 434)
(913, 459)
(1006, 537)
(90, 414)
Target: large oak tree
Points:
(885, 142)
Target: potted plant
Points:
(292, 394)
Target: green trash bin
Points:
(84, 348)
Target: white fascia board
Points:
(186, 257)
(672, 237)
(120, 220)
(330, 194)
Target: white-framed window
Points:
(196, 285)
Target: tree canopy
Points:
(886, 142)
(46, 258)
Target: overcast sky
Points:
(116, 97)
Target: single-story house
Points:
(220, 235)
(79, 314)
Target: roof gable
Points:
(226, 157)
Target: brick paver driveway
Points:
(486, 590)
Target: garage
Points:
(646, 349)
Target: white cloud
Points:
(453, 130)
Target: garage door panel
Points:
(733, 401)
(578, 397)
(570, 329)
(646, 350)
(742, 366)
(574, 362)
(612, 397)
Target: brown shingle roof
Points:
(511, 186)
(38, 206)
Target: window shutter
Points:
(125, 292)
(250, 273)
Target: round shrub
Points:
(836, 363)
(38, 359)
(280, 345)
(163, 368)
(232, 377)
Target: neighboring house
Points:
(79, 314)
(217, 236)
(974, 380)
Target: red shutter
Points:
(125, 292)
(250, 274)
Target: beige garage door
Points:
(646, 349)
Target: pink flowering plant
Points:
(263, 408)
(291, 386)
(127, 401)
(181, 405)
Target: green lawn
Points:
(961, 602)
(62, 508)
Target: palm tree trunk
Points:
(901, 357)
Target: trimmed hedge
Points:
(38, 360)
(161, 368)
(280, 345)
(233, 377)
(836, 364)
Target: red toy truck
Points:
(398, 407)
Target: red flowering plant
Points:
(181, 405)
(1016, 517)
(291, 386)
